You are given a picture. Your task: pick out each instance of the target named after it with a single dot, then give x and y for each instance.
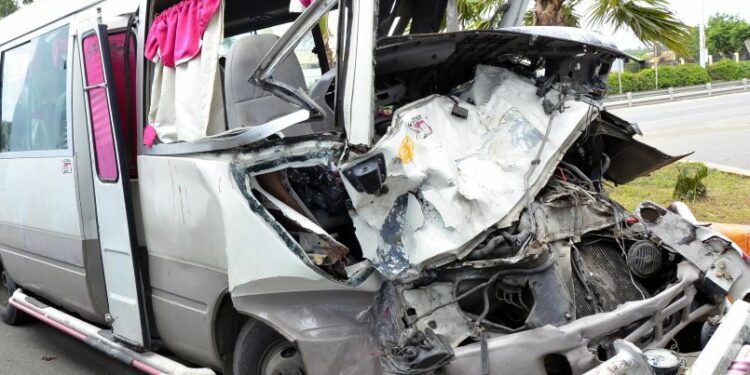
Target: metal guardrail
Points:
(675, 93)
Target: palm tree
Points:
(9, 6)
(650, 20)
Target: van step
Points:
(147, 362)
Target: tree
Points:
(650, 20)
(569, 17)
(692, 53)
(479, 14)
(726, 34)
(9, 6)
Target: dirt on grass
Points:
(727, 201)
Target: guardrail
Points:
(675, 93)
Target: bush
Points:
(689, 184)
(681, 75)
(729, 70)
(669, 76)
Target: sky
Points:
(689, 11)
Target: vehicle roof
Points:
(37, 15)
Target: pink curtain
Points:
(176, 33)
(104, 145)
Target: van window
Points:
(99, 107)
(33, 109)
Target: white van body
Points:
(343, 230)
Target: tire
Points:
(9, 313)
(259, 350)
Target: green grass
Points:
(728, 199)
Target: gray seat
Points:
(247, 104)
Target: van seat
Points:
(247, 104)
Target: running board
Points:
(148, 362)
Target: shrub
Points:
(669, 76)
(689, 184)
(633, 66)
(682, 75)
(729, 70)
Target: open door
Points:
(123, 271)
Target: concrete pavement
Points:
(37, 349)
(716, 128)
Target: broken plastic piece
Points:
(460, 112)
(368, 176)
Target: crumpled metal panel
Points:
(570, 212)
(571, 34)
(447, 321)
(450, 179)
(719, 258)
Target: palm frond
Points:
(478, 14)
(650, 20)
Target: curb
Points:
(722, 168)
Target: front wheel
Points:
(8, 312)
(262, 351)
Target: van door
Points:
(123, 268)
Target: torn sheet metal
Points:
(238, 220)
(316, 239)
(447, 321)
(462, 176)
(719, 258)
(569, 211)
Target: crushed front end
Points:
(484, 207)
(476, 234)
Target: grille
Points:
(608, 282)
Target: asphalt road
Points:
(37, 349)
(716, 128)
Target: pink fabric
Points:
(104, 143)
(129, 130)
(306, 3)
(176, 33)
(149, 136)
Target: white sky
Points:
(689, 11)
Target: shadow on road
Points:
(35, 348)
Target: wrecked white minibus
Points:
(337, 186)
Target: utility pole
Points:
(656, 64)
(513, 16)
(702, 51)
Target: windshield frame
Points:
(285, 46)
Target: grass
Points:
(728, 199)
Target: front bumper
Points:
(525, 352)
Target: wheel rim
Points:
(4, 289)
(282, 358)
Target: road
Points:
(716, 128)
(37, 349)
